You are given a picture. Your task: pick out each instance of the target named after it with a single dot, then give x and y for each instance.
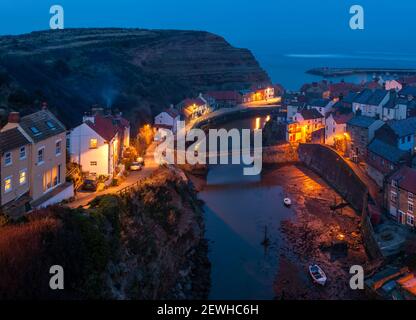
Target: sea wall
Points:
(332, 167)
(336, 172)
(280, 154)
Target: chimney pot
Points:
(44, 106)
(14, 117)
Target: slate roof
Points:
(363, 96)
(406, 179)
(403, 128)
(41, 125)
(172, 112)
(386, 151)
(408, 91)
(342, 118)
(377, 97)
(361, 121)
(350, 97)
(322, 103)
(393, 100)
(12, 139)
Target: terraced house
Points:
(43, 159)
(401, 196)
(14, 169)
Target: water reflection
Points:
(237, 209)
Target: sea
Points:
(289, 69)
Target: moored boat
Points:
(317, 274)
(287, 202)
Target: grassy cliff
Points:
(145, 246)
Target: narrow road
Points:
(83, 198)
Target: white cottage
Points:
(95, 145)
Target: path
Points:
(83, 197)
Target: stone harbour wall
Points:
(331, 166)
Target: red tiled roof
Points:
(104, 126)
(342, 88)
(372, 85)
(190, 102)
(407, 80)
(406, 179)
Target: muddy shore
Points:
(317, 234)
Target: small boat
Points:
(287, 202)
(317, 274)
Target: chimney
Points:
(14, 117)
(44, 106)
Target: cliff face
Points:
(149, 245)
(138, 71)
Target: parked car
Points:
(135, 166)
(140, 160)
(90, 184)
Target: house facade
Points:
(360, 131)
(370, 103)
(15, 164)
(383, 159)
(95, 145)
(399, 133)
(167, 119)
(336, 130)
(193, 108)
(46, 156)
(400, 194)
(305, 123)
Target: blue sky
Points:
(261, 24)
(272, 29)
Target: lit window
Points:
(58, 147)
(51, 178)
(93, 143)
(8, 184)
(22, 177)
(41, 155)
(22, 153)
(8, 159)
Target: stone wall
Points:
(331, 166)
(280, 154)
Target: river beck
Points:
(241, 211)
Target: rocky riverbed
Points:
(318, 234)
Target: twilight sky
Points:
(267, 27)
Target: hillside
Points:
(137, 71)
(150, 245)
